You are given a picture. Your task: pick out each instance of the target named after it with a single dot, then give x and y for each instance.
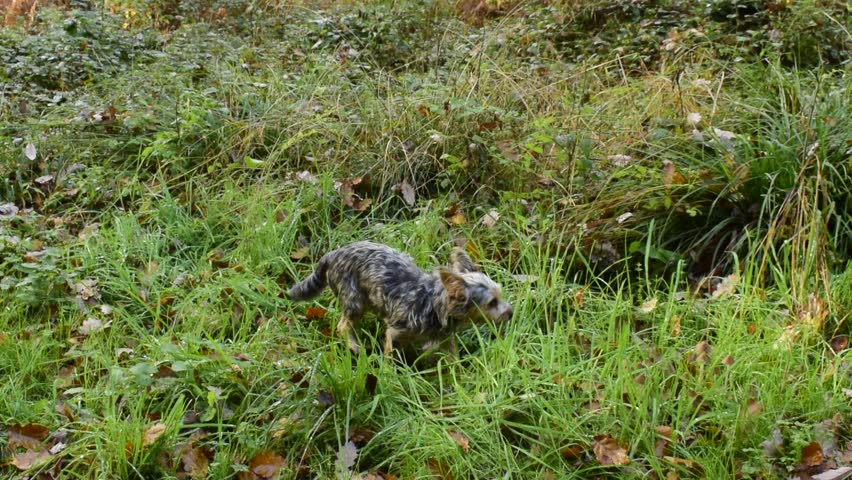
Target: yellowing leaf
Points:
(299, 253)
(648, 306)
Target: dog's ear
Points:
(454, 284)
(461, 262)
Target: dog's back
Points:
(361, 267)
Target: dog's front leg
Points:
(390, 335)
(453, 348)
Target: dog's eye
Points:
(493, 303)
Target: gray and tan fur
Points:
(414, 304)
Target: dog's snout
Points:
(508, 314)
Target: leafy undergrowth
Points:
(662, 193)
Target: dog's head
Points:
(472, 295)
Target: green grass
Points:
(193, 214)
(224, 346)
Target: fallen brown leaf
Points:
(608, 451)
(28, 436)
(846, 455)
(578, 297)
(839, 343)
(727, 286)
(360, 436)
(325, 398)
(65, 410)
(812, 454)
(164, 371)
(30, 459)
(266, 464)
(508, 150)
(813, 313)
(485, 126)
(670, 174)
(648, 306)
(440, 469)
(408, 193)
(195, 460)
(661, 446)
(92, 325)
(352, 191)
(489, 220)
(455, 215)
(370, 383)
(315, 313)
(461, 440)
(683, 462)
(153, 433)
(573, 451)
(834, 474)
(753, 407)
(675, 327)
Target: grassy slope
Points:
(191, 253)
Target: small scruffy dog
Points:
(415, 305)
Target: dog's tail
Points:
(311, 286)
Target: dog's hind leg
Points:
(352, 305)
(345, 328)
